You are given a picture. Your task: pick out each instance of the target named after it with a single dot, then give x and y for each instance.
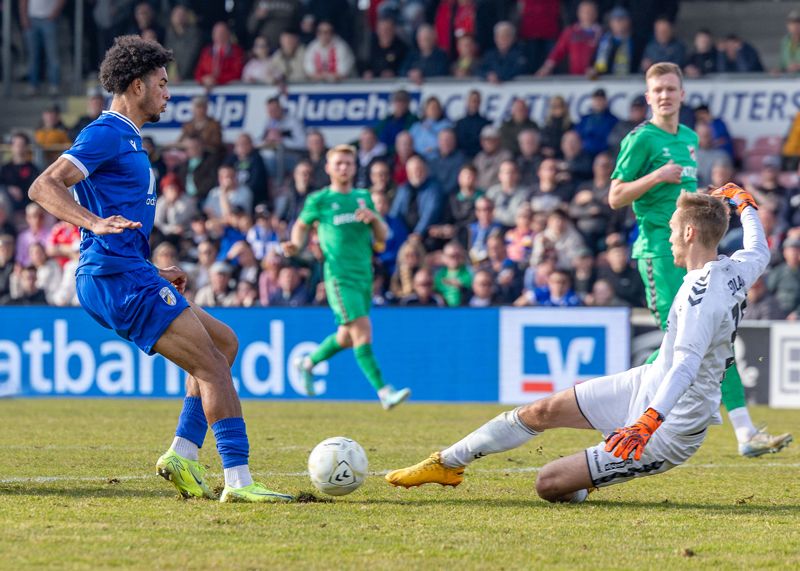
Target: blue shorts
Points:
(139, 305)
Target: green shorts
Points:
(347, 300)
(662, 280)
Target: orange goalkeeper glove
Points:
(632, 439)
(735, 195)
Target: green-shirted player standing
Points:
(656, 162)
(346, 224)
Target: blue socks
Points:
(232, 443)
(192, 423)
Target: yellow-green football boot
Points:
(186, 475)
(255, 492)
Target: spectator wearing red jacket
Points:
(538, 26)
(222, 61)
(454, 18)
(577, 42)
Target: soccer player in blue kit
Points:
(123, 291)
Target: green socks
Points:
(369, 366)
(364, 357)
(327, 349)
(732, 389)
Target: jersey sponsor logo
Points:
(167, 295)
(689, 172)
(346, 218)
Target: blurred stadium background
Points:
(260, 88)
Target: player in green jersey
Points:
(656, 162)
(347, 223)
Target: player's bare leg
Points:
(187, 343)
(558, 411)
(565, 480)
(190, 345)
(180, 464)
(506, 431)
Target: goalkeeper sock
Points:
(503, 432)
(191, 430)
(369, 365)
(327, 349)
(742, 424)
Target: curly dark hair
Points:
(131, 58)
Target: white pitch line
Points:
(510, 470)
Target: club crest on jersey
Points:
(692, 152)
(167, 295)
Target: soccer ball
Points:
(337, 466)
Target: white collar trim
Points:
(125, 119)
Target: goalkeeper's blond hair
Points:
(663, 68)
(707, 214)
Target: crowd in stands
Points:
(480, 214)
(281, 42)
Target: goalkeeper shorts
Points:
(611, 402)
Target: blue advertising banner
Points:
(440, 354)
(467, 355)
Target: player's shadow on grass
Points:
(114, 491)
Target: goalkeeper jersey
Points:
(683, 383)
(644, 150)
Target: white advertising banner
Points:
(751, 106)
(784, 374)
(546, 350)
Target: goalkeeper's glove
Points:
(735, 195)
(632, 439)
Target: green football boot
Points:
(186, 475)
(255, 492)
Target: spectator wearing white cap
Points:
(491, 156)
(217, 293)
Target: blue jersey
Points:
(117, 180)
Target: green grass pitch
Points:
(78, 490)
